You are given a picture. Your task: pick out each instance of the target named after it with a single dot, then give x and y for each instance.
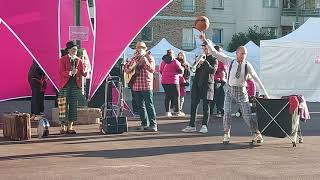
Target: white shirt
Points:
(233, 81)
(241, 81)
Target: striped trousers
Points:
(68, 97)
(238, 96)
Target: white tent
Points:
(253, 55)
(290, 65)
(159, 50)
(128, 53)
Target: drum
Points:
(43, 128)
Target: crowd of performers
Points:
(219, 80)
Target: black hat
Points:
(71, 44)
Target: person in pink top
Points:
(183, 78)
(170, 69)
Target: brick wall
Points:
(171, 29)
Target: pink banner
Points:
(15, 66)
(36, 25)
(117, 24)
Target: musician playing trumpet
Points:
(143, 65)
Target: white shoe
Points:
(237, 114)
(189, 129)
(168, 114)
(203, 129)
(180, 113)
(257, 137)
(226, 138)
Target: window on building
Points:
(310, 4)
(187, 38)
(273, 31)
(188, 5)
(270, 3)
(147, 34)
(218, 4)
(318, 4)
(286, 30)
(289, 4)
(217, 36)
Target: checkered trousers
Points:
(238, 96)
(68, 102)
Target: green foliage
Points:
(254, 34)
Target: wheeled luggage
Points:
(113, 122)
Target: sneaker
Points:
(238, 114)
(219, 115)
(142, 128)
(153, 128)
(180, 113)
(203, 129)
(226, 138)
(189, 129)
(257, 137)
(168, 114)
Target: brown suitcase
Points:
(16, 126)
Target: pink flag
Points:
(36, 25)
(16, 62)
(117, 24)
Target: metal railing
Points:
(301, 12)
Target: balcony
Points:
(301, 12)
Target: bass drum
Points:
(43, 128)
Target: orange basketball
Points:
(202, 23)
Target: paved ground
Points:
(167, 154)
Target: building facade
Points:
(175, 23)
(229, 17)
(296, 12)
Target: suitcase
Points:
(16, 126)
(114, 125)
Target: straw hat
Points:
(141, 45)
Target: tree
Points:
(254, 34)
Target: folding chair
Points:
(275, 120)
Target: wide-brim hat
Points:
(71, 44)
(142, 45)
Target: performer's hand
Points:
(74, 71)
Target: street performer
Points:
(71, 70)
(143, 64)
(236, 93)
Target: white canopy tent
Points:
(253, 55)
(291, 64)
(159, 50)
(128, 53)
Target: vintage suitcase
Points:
(16, 126)
(114, 125)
